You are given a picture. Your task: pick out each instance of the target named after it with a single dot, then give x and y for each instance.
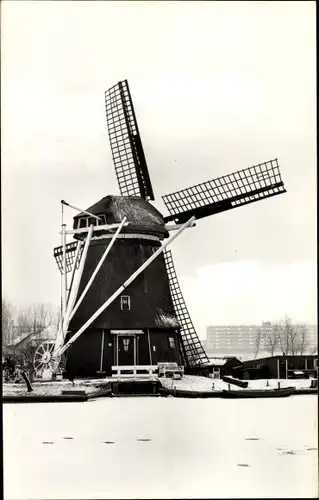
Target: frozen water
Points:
(162, 448)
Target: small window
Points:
(92, 220)
(154, 348)
(171, 341)
(291, 365)
(102, 220)
(125, 303)
(82, 222)
(301, 364)
(126, 343)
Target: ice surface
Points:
(162, 448)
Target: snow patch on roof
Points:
(136, 210)
(217, 361)
(166, 319)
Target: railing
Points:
(148, 372)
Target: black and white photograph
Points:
(159, 249)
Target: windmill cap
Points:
(142, 216)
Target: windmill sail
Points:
(224, 193)
(191, 345)
(70, 252)
(126, 145)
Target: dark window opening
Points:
(102, 220)
(291, 365)
(82, 222)
(301, 364)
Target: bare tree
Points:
(287, 337)
(35, 319)
(7, 322)
(258, 339)
(31, 324)
(302, 340)
(293, 339)
(271, 337)
(25, 355)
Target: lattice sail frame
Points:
(70, 256)
(224, 193)
(126, 145)
(191, 345)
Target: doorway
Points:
(126, 350)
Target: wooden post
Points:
(117, 350)
(278, 368)
(286, 368)
(134, 354)
(65, 285)
(149, 347)
(102, 350)
(27, 381)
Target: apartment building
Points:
(240, 340)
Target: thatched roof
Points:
(143, 217)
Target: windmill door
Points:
(126, 350)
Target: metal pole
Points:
(174, 227)
(126, 284)
(105, 254)
(65, 285)
(80, 210)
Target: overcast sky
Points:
(217, 86)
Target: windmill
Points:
(123, 306)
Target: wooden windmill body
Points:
(140, 327)
(113, 320)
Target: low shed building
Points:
(280, 367)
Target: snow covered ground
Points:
(52, 388)
(195, 383)
(162, 448)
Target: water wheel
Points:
(43, 359)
